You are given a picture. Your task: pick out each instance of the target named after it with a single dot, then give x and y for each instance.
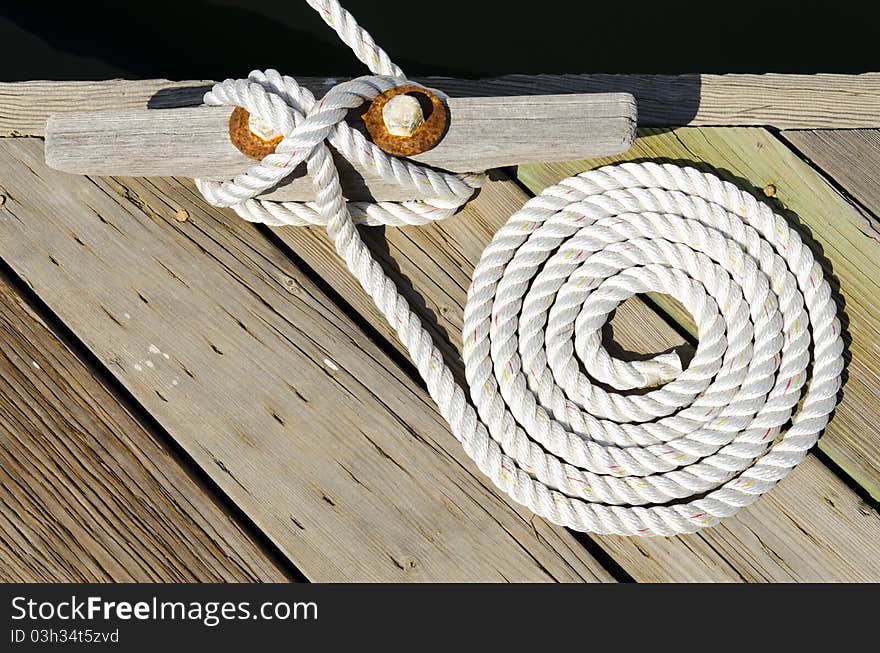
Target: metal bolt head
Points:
(402, 115)
(260, 128)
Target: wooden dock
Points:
(185, 396)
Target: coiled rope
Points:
(674, 459)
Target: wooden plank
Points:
(844, 237)
(811, 528)
(297, 415)
(851, 157)
(778, 100)
(88, 494)
(483, 133)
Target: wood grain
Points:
(844, 237)
(811, 528)
(88, 494)
(302, 420)
(483, 133)
(850, 157)
(783, 101)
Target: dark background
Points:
(227, 38)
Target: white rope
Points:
(671, 460)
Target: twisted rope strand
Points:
(706, 442)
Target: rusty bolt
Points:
(252, 136)
(424, 136)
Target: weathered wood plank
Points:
(777, 100)
(811, 528)
(851, 157)
(88, 493)
(844, 237)
(337, 456)
(483, 133)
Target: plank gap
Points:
(847, 479)
(785, 136)
(604, 557)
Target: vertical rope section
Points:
(550, 415)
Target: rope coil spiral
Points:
(678, 457)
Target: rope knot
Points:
(307, 127)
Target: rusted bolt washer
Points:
(247, 142)
(426, 135)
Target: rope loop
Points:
(582, 438)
